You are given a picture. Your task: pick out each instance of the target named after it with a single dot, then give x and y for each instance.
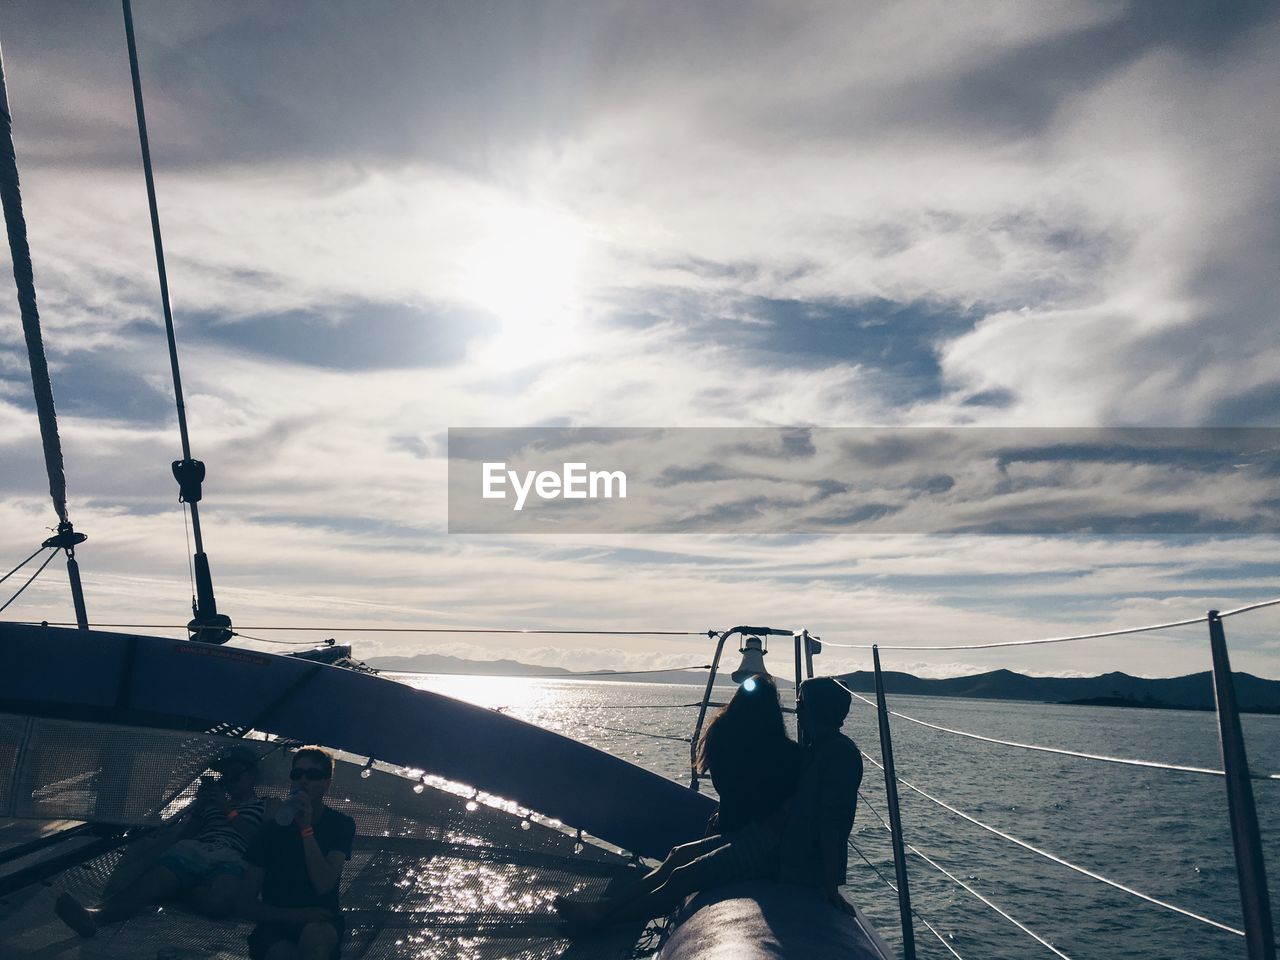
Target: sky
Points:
(386, 220)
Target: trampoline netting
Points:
(441, 872)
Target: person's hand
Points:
(317, 915)
(302, 819)
(209, 793)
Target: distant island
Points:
(1192, 692)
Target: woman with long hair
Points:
(754, 767)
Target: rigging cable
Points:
(47, 561)
(1022, 643)
(23, 563)
(889, 883)
(1059, 860)
(42, 388)
(894, 887)
(1081, 636)
(457, 630)
(206, 624)
(884, 823)
(1154, 764)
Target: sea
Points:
(1163, 833)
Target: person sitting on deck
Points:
(815, 843)
(205, 864)
(291, 883)
(754, 767)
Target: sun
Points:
(524, 266)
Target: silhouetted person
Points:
(204, 865)
(754, 767)
(815, 843)
(291, 882)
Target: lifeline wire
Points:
(1023, 643)
(1081, 636)
(1252, 606)
(642, 733)
(350, 629)
(1060, 861)
(1027, 930)
(22, 564)
(1155, 764)
(914, 912)
(884, 823)
(52, 553)
(569, 675)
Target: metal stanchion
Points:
(895, 817)
(1250, 867)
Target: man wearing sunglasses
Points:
(205, 863)
(294, 865)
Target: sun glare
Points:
(524, 267)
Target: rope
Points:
(24, 278)
(47, 560)
(22, 564)
(1059, 860)
(1063, 752)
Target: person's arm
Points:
(837, 804)
(206, 796)
(250, 906)
(249, 830)
(323, 870)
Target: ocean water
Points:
(1160, 832)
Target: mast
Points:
(16, 227)
(207, 625)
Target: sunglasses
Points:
(311, 773)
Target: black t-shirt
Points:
(278, 851)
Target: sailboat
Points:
(469, 822)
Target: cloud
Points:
(811, 214)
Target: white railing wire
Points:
(1079, 636)
(914, 912)
(1253, 606)
(1061, 861)
(1025, 929)
(1153, 764)
(1023, 643)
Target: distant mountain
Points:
(1193, 692)
(439, 663)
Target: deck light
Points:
(753, 653)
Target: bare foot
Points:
(74, 915)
